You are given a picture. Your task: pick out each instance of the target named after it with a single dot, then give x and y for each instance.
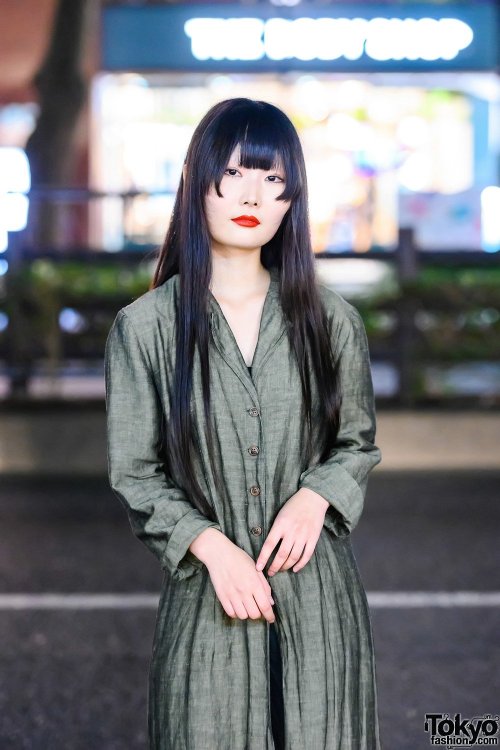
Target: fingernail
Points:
(259, 566)
(272, 600)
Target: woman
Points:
(240, 436)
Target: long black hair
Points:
(267, 138)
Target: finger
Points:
(295, 554)
(228, 609)
(268, 546)
(252, 607)
(282, 555)
(265, 607)
(239, 608)
(306, 556)
(266, 587)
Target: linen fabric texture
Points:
(209, 675)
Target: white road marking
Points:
(376, 600)
(78, 601)
(404, 599)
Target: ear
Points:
(184, 173)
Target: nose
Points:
(251, 191)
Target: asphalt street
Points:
(75, 678)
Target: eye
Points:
(274, 178)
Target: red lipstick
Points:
(246, 221)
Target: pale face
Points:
(247, 192)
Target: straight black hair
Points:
(267, 139)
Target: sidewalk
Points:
(73, 441)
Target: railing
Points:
(34, 296)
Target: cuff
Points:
(178, 559)
(343, 493)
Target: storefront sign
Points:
(328, 38)
(353, 37)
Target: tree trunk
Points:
(62, 92)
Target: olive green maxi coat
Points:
(209, 679)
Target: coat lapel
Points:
(272, 328)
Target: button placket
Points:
(254, 451)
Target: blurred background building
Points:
(398, 109)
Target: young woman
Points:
(241, 428)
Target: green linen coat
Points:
(209, 679)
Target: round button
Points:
(254, 412)
(255, 489)
(253, 450)
(257, 530)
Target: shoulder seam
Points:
(139, 342)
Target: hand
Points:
(298, 524)
(242, 590)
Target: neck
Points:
(231, 279)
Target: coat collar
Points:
(272, 328)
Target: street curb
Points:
(55, 442)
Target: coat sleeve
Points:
(160, 514)
(343, 477)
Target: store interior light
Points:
(133, 79)
(14, 170)
(15, 180)
(311, 96)
(415, 173)
(346, 132)
(14, 211)
(289, 3)
(414, 131)
(353, 276)
(490, 218)
(220, 83)
(4, 239)
(71, 321)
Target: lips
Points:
(246, 221)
